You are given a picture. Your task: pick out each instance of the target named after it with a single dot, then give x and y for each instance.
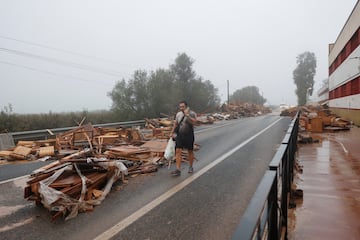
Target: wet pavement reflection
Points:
(330, 180)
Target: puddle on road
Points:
(330, 180)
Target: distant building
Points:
(344, 69)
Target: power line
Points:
(60, 50)
(62, 62)
(52, 73)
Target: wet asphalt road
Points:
(209, 207)
(18, 169)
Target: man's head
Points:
(183, 105)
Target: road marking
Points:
(14, 179)
(111, 232)
(7, 210)
(11, 226)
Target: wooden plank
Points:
(22, 151)
(155, 145)
(5, 153)
(95, 179)
(66, 182)
(25, 143)
(39, 178)
(127, 150)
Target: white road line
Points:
(14, 179)
(111, 232)
(11, 226)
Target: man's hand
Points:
(187, 112)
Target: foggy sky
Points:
(67, 55)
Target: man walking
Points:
(183, 132)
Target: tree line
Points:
(13, 122)
(147, 94)
(152, 94)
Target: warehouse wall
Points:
(344, 70)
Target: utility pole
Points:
(228, 98)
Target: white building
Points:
(344, 69)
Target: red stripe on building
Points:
(351, 45)
(350, 88)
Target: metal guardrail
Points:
(266, 215)
(44, 133)
(263, 206)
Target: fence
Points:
(266, 215)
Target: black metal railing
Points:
(266, 215)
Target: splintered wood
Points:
(21, 152)
(71, 186)
(88, 160)
(316, 119)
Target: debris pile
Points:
(30, 150)
(234, 111)
(317, 119)
(87, 160)
(69, 186)
(206, 119)
(160, 128)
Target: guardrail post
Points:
(273, 211)
(255, 221)
(6, 141)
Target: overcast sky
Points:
(67, 55)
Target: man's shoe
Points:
(191, 170)
(176, 173)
